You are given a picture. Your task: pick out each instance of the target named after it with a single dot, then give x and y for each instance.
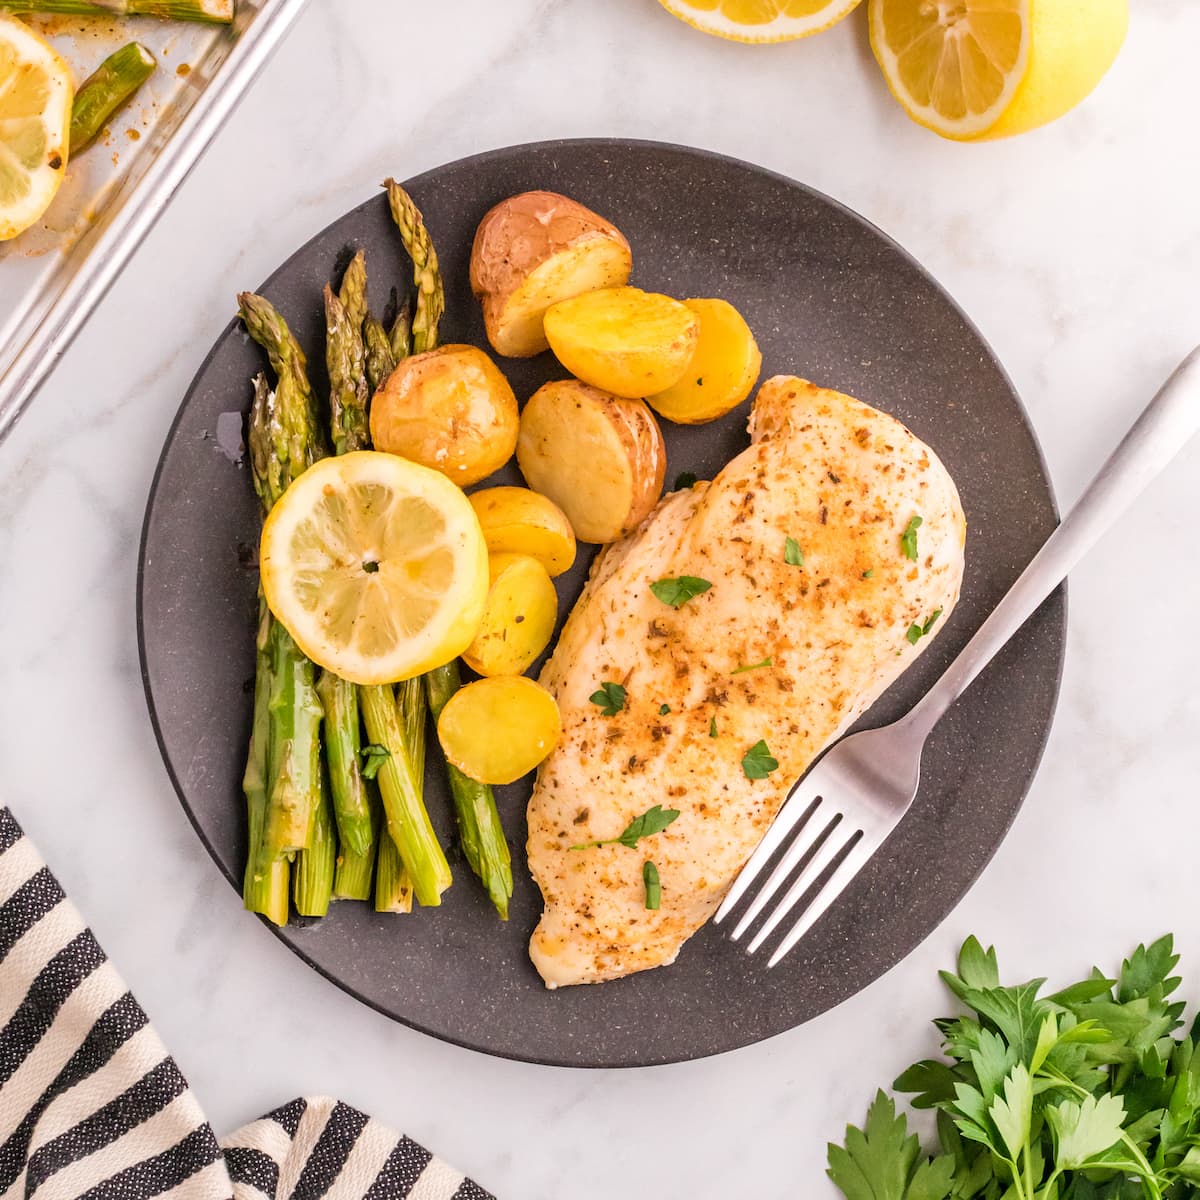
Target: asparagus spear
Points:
(285, 441)
(297, 408)
(479, 830)
(400, 786)
(112, 83)
(313, 876)
(380, 360)
(212, 12)
(393, 884)
(400, 335)
(394, 889)
(431, 298)
(265, 885)
(353, 292)
(356, 872)
(344, 357)
(343, 743)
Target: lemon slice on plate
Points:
(36, 94)
(954, 65)
(376, 566)
(760, 20)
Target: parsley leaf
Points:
(712, 728)
(766, 662)
(684, 480)
(663, 709)
(653, 820)
(374, 756)
(653, 885)
(610, 698)
(757, 762)
(1084, 1130)
(792, 554)
(917, 632)
(879, 1162)
(677, 592)
(908, 539)
(868, 573)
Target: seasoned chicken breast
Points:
(823, 635)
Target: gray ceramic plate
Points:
(830, 298)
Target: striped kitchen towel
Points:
(92, 1105)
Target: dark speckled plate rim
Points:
(615, 146)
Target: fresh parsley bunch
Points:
(1084, 1094)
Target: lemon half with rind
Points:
(760, 20)
(954, 65)
(376, 566)
(36, 95)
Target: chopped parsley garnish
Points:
(677, 592)
(917, 632)
(653, 820)
(653, 886)
(766, 662)
(683, 481)
(712, 728)
(868, 574)
(908, 539)
(610, 698)
(374, 756)
(663, 709)
(758, 762)
(792, 554)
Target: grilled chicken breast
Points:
(823, 638)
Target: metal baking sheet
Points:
(53, 275)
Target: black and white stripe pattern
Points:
(92, 1107)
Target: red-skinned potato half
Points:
(533, 250)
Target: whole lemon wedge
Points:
(760, 20)
(981, 69)
(36, 94)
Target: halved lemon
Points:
(954, 65)
(376, 566)
(36, 95)
(760, 20)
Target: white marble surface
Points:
(1077, 251)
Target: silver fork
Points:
(849, 803)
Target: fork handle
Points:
(1167, 423)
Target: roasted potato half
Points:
(518, 618)
(496, 730)
(623, 340)
(450, 409)
(516, 520)
(599, 457)
(532, 251)
(722, 372)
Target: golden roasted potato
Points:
(450, 409)
(516, 520)
(623, 340)
(533, 250)
(600, 458)
(518, 618)
(722, 372)
(496, 730)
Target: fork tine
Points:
(814, 829)
(849, 867)
(790, 815)
(837, 843)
